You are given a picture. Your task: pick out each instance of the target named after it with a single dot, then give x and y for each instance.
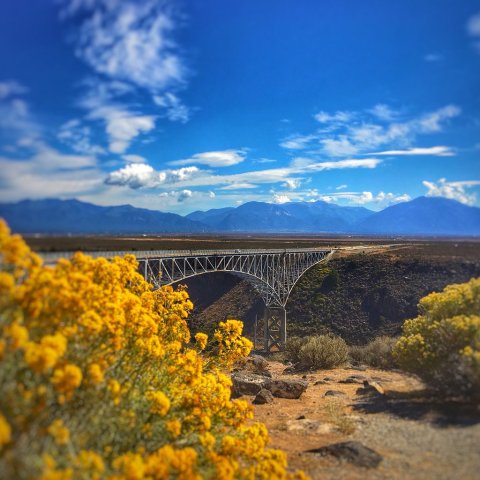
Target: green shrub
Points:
(378, 353)
(292, 348)
(323, 351)
(442, 345)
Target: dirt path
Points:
(418, 437)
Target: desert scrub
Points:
(377, 353)
(442, 345)
(320, 351)
(100, 378)
(336, 413)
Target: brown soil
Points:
(419, 436)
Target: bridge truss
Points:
(273, 273)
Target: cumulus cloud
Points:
(225, 158)
(292, 183)
(183, 196)
(141, 175)
(280, 198)
(439, 151)
(363, 198)
(454, 190)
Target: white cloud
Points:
(341, 187)
(78, 136)
(280, 198)
(293, 183)
(175, 110)
(353, 133)
(127, 40)
(47, 173)
(144, 176)
(131, 158)
(439, 151)
(122, 126)
(433, 57)
(473, 25)
(454, 190)
(364, 198)
(225, 158)
(184, 194)
(383, 112)
(338, 147)
(432, 122)
(238, 186)
(297, 142)
(141, 175)
(337, 117)
(10, 88)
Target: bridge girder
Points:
(273, 273)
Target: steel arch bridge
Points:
(273, 273)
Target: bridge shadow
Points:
(422, 405)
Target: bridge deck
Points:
(51, 257)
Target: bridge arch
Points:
(274, 273)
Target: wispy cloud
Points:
(433, 57)
(459, 191)
(9, 88)
(223, 158)
(354, 133)
(439, 151)
(473, 29)
(127, 41)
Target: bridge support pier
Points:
(275, 334)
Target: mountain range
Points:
(421, 216)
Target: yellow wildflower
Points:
(160, 404)
(67, 378)
(5, 431)
(59, 432)
(201, 339)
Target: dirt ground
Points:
(418, 436)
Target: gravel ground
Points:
(418, 436)
(421, 450)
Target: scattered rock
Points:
(369, 388)
(304, 377)
(334, 393)
(353, 452)
(329, 379)
(321, 382)
(245, 383)
(305, 424)
(287, 388)
(263, 396)
(289, 370)
(301, 417)
(354, 379)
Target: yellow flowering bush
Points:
(442, 345)
(100, 379)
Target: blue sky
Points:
(186, 105)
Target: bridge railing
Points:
(50, 257)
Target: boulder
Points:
(370, 387)
(287, 388)
(352, 452)
(263, 396)
(245, 383)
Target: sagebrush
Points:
(442, 345)
(100, 378)
(320, 351)
(377, 353)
